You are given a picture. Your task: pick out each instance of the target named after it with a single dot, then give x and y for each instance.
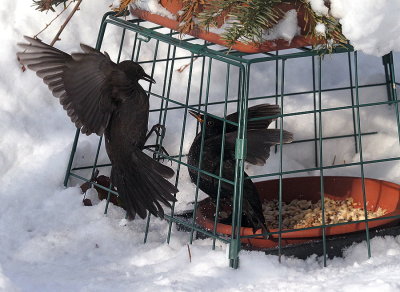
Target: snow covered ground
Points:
(50, 242)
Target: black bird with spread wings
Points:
(102, 97)
(259, 141)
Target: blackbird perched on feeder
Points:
(105, 98)
(259, 141)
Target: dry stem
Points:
(183, 67)
(56, 38)
(47, 25)
(190, 254)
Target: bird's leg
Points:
(158, 129)
(160, 132)
(157, 148)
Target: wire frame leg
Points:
(71, 157)
(388, 64)
(240, 151)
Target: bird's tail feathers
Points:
(274, 136)
(153, 165)
(142, 187)
(255, 218)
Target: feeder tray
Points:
(174, 7)
(379, 194)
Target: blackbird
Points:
(259, 141)
(105, 98)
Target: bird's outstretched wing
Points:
(258, 144)
(83, 82)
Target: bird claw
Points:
(163, 130)
(162, 150)
(158, 149)
(159, 130)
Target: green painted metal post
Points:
(240, 155)
(352, 101)
(388, 65)
(201, 148)
(155, 156)
(367, 236)
(221, 159)
(280, 196)
(71, 157)
(321, 163)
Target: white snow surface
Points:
(371, 26)
(152, 6)
(50, 242)
(319, 6)
(285, 29)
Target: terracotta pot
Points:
(378, 193)
(174, 6)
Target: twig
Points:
(334, 159)
(47, 25)
(182, 68)
(190, 254)
(56, 38)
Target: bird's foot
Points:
(158, 149)
(158, 129)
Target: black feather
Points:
(102, 97)
(259, 140)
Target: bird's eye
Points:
(210, 123)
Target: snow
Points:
(153, 6)
(319, 6)
(320, 28)
(286, 28)
(371, 26)
(116, 4)
(50, 242)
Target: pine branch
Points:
(46, 5)
(333, 30)
(247, 20)
(189, 12)
(123, 6)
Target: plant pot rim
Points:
(266, 46)
(392, 191)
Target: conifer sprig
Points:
(46, 5)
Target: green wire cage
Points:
(193, 74)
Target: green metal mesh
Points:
(161, 51)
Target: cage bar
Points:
(166, 50)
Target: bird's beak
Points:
(148, 78)
(197, 116)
